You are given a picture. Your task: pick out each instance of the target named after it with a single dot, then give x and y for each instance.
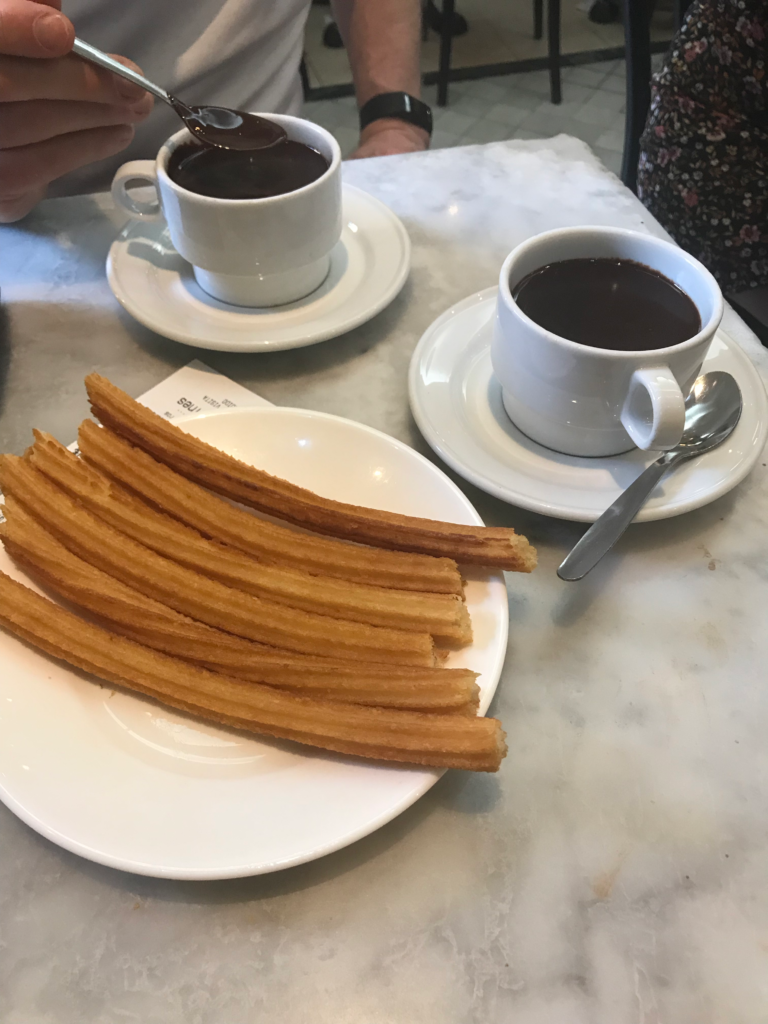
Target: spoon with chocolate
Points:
(214, 126)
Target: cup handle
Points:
(654, 410)
(136, 172)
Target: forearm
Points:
(382, 38)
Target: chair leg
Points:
(538, 19)
(638, 55)
(446, 39)
(304, 75)
(553, 26)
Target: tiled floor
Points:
(513, 107)
(499, 31)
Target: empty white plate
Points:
(156, 286)
(456, 402)
(125, 782)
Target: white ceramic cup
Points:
(589, 401)
(248, 252)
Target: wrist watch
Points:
(399, 105)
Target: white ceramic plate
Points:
(156, 286)
(125, 782)
(456, 402)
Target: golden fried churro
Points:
(201, 598)
(444, 741)
(475, 545)
(270, 543)
(445, 616)
(151, 623)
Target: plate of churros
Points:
(241, 642)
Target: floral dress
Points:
(703, 169)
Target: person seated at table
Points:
(65, 125)
(703, 170)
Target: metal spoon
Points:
(215, 126)
(712, 411)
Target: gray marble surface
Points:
(614, 870)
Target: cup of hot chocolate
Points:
(599, 335)
(258, 227)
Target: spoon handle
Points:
(605, 531)
(88, 52)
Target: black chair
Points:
(553, 39)
(306, 85)
(446, 41)
(637, 36)
(553, 54)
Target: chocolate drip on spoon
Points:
(215, 126)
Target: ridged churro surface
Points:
(439, 740)
(324, 635)
(140, 618)
(443, 615)
(271, 543)
(476, 545)
(201, 598)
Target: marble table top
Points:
(612, 872)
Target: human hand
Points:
(389, 136)
(57, 112)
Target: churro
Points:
(497, 547)
(199, 597)
(445, 616)
(140, 618)
(443, 741)
(268, 542)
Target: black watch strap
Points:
(396, 104)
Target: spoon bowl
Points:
(220, 127)
(712, 410)
(226, 128)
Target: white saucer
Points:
(126, 782)
(456, 402)
(368, 268)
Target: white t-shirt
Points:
(237, 53)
